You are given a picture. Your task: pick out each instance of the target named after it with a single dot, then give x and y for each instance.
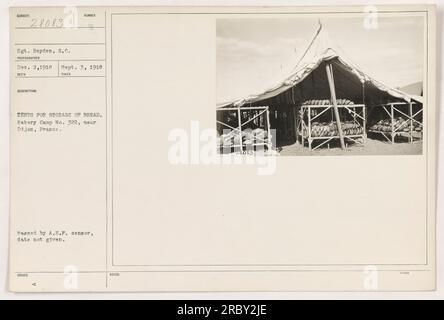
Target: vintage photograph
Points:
(321, 85)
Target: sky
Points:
(255, 54)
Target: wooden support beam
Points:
(309, 128)
(227, 125)
(243, 108)
(411, 122)
(385, 109)
(392, 116)
(320, 145)
(364, 123)
(303, 125)
(331, 84)
(239, 120)
(354, 113)
(408, 117)
(320, 113)
(296, 124)
(254, 117)
(270, 146)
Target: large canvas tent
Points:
(349, 79)
(309, 81)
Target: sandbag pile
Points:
(329, 129)
(327, 102)
(249, 137)
(400, 124)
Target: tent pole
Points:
(363, 92)
(331, 83)
(296, 123)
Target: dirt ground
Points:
(371, 147)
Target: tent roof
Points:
(319, 50)
(413, 88)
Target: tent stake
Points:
(331, 83)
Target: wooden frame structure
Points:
(258, 112)
(357, 111)
(392, 110)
